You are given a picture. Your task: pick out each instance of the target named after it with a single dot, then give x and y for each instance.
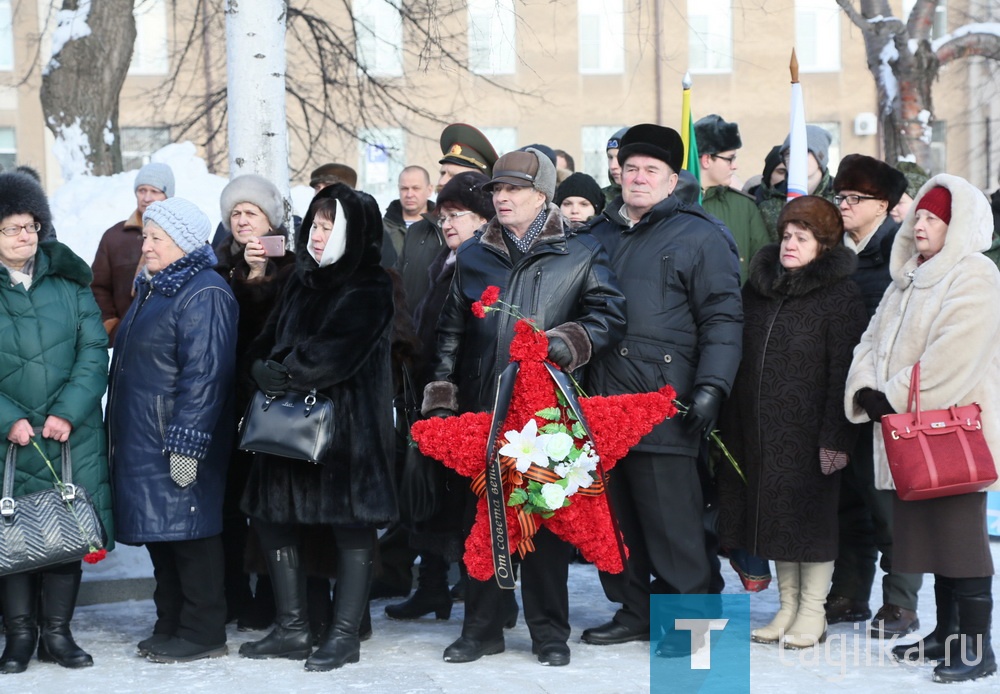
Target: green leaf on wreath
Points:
(554, 428)
(578, 431)
(517, 497)
(552, 414)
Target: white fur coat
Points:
(944, 313)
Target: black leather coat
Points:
(564, 279)
(685, 313)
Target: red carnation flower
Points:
(95, 556)
(490, 295)
(478, 310)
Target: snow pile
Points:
(86, 206)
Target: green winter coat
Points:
(54, 361)
(739, 212)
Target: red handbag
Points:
(936, 453)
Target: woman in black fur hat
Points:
(330, 331)
(785, 421)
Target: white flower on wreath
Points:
(525, 447)
(557, 446)
(553, 495)
(579, 473)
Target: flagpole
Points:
(798, 150)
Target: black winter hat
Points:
(654, 141)
(21, 194)
(465, 190)
(771, 162)
(580, 185)
(870, 176)
(715, 135)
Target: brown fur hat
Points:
(816, 214)
(870, 176)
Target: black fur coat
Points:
(331, 329)
(799, 333)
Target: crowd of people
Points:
(787, 327)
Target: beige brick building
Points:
(565, 73)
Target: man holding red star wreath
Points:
(564, 284)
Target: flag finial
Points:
(686, 82)
(793, 66)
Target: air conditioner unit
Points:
(865, 124)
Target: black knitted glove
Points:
(874, 403)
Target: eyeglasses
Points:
(451, 217)
(16, 229)
(851, 200)
(729, 160)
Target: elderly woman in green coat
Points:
(53, 372)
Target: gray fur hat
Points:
(256, 190)
(21, 194)
(817, 141)
(157, 175)
(187, 225)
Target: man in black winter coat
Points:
(685, 328)
(564, 283)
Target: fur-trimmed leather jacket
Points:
(564, 283)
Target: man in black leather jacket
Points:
(685, 329)
(564, 282)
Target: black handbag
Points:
(48, 527)
(295, 425)
(421, 483)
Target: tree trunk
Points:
(91, 52)
(255, 53)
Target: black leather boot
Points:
(971, 656)
(342, 643)
(290, 637)
(934, 646)
(320, 606)
(17, 593)
(56, 645)
(431, 595)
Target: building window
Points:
(594, 143)
(503, 139)
(139, 144)
(8, 149)
(817, 35)
(6, 36)
(710, 36)
(379, 29)
(492, 40)
(149, 55)
(602, 37)
(383, 157)
(939, 146)
(940, 26)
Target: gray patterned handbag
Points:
(48, 527)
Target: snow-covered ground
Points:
(404, 657)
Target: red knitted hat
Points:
(937, 201)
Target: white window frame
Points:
(710, 36)
(492, 37)
(8, 151)
(6, 36)
(817, 35)
(139, 144)
(378, 26)
(601, 37)
(150, 53)
(503, 139)
(594, 146)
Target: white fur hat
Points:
(256, 190)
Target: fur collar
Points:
(970, 231)
(170, 280)
(554, 231)
(771, 280)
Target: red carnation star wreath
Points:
(530, 490)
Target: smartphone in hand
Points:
(274, 246)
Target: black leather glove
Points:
(559, 352)
(270, 376)
(874, 403)
(441, 412)
(706, 401)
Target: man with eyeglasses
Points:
(819, 181)
(867, 190)
(117, 260)
(717, 144)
